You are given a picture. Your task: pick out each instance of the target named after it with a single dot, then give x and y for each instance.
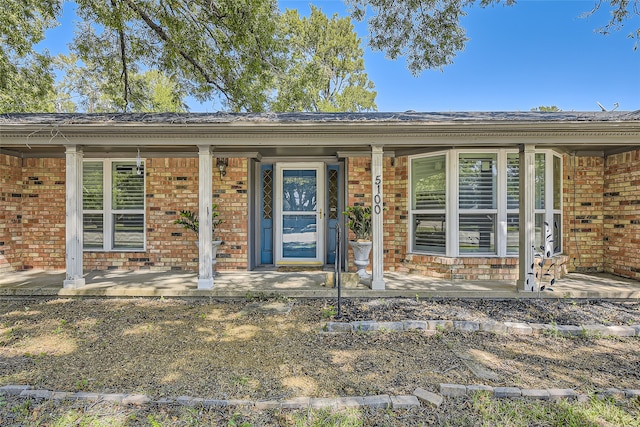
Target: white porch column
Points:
(527, 216)
(205, 170)
(73, 222)
(377, 209)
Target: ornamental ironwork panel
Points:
(267, 196)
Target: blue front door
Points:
(266, 214)
(299, 214)
(300, 208)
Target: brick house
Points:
(454, 195)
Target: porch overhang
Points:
(296, 134)
(283, 136)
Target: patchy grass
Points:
(477, 410)
(224, 350)
(519, 412)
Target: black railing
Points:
(337, 272)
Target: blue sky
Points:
(538, 52)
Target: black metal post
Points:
(338, 268)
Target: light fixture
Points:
(138, 164)
(221, 164)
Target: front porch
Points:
(311, 284)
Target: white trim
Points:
(560, 210)
(527, 212)
(73, 225)
(205, 233)
(377, 218)
(451, 208)
(320, 213)
(449, 201)
(501, 204)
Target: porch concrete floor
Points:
(146, 283)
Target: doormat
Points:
(297, 269)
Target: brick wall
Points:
(231, 194)
(33, 211)
(396, 175)
(10, 214)
(396, 214)
(463, 268)
(171, 186)
(394, 202)
(622, 214)
(583, 216)
(601, 218)
(358, 177)
(43, 213)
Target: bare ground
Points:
(231, 350)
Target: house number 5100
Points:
(377, 198)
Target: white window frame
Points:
(549, 210)
(107, 210)
(413, 212)
(452, 209)
(499, 211)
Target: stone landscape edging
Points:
(419, 397)
(509, 328)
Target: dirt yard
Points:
(232, 349)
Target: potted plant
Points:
(359, 222)
(189, 221)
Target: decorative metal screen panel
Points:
(333, 194)
(267, 188)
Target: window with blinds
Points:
(93, 205)
(127, 187)
(477, 233)
(513, 203)
(429, 201)
(482, 215)
(477, 191)
(92, 186)
(477, 175)
(541, 163)
(113, 205)
(429, 182)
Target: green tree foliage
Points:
(211, 49)
(156, 92)
(83, 89)
(323, 66)
(428, 32)
(547, 109)
(26, 81)
(229, 50)
(621, 11)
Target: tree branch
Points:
(167, 39)
(123, 59)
